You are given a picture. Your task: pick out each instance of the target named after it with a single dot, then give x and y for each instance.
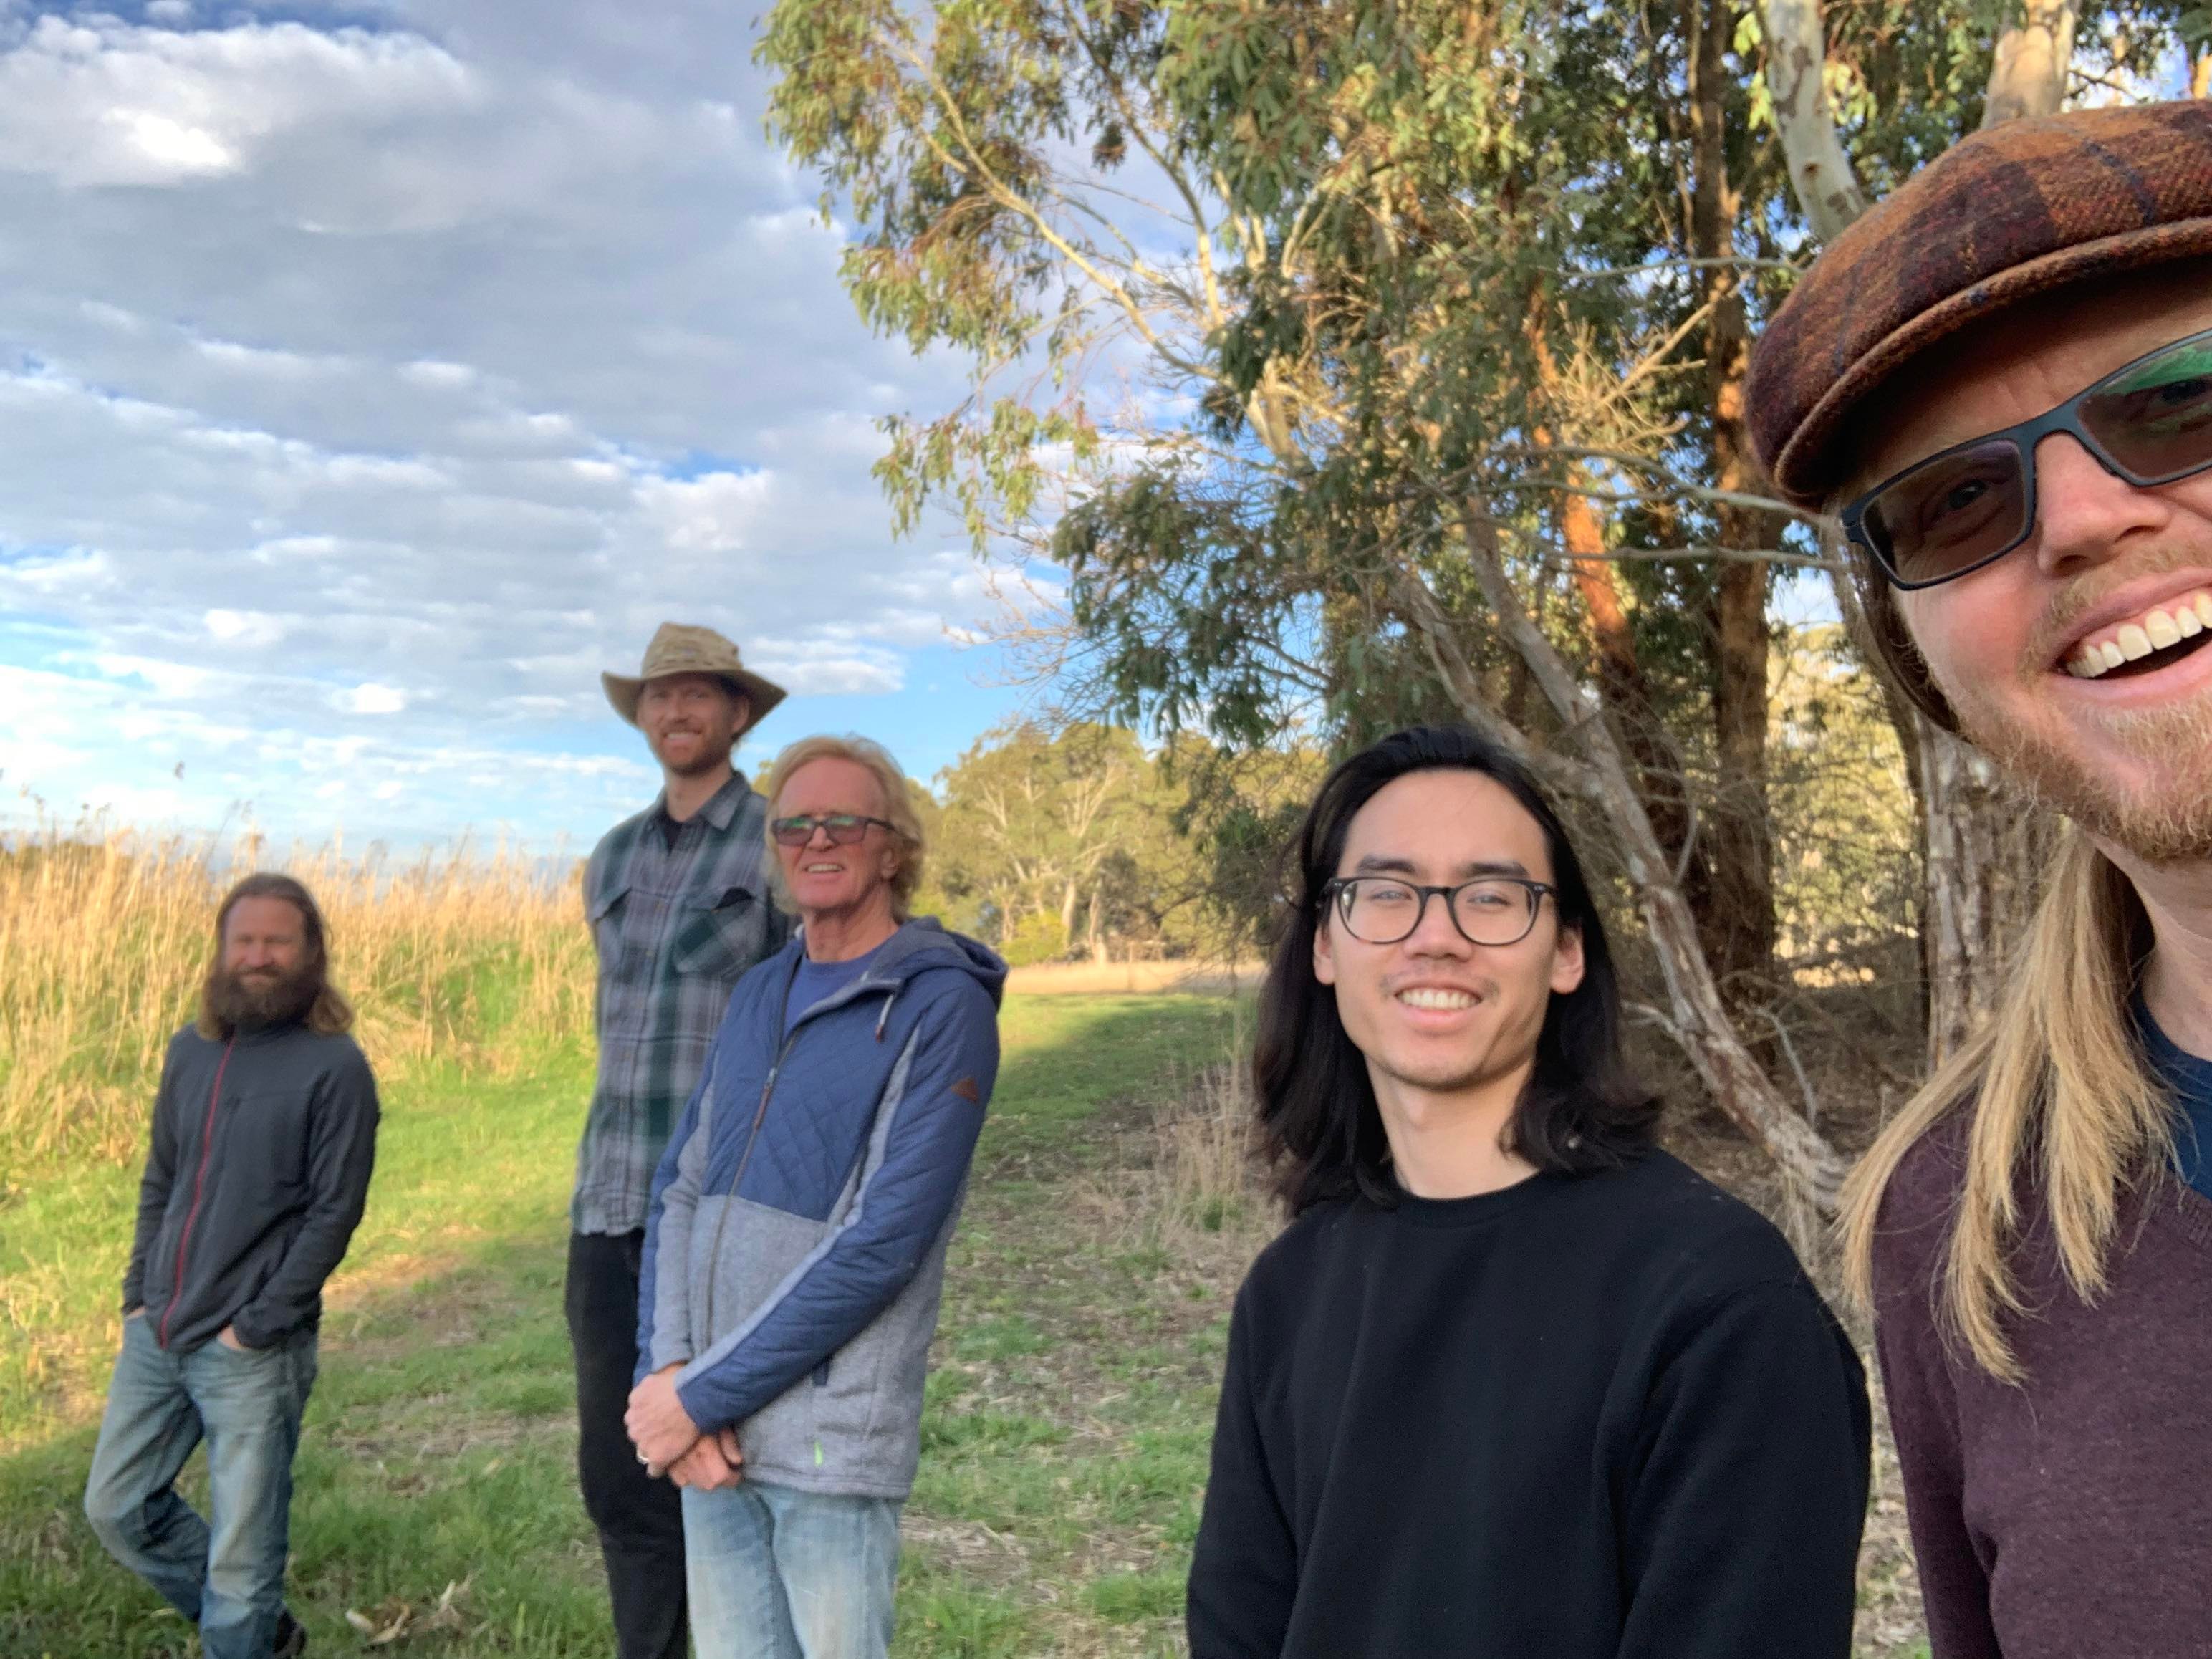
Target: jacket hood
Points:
(923, 943)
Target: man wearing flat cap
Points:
(2000, 381)
(679, 905)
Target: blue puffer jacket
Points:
(796, 1245)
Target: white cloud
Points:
(370, 698)
(367, 390)
(95, 101)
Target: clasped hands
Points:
(669, 1443)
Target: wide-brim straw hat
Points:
(680, 648)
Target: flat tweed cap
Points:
(2023, 208)
(680, 648)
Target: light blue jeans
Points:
(224, 1574)
(777, 1573)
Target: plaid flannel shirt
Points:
(675, 928)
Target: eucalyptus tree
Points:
(1359, 361)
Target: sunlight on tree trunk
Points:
(1827, 185)
(2035, 58)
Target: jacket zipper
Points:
(760, 1115)
(752, 1137)
(200, 1184)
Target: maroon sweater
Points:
(2070, 1518)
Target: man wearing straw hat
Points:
(679, 907)
(2000, 380)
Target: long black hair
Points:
(1584, 1107)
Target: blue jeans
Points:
(777, 1573)
(224, 1574)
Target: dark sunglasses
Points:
(2149, 423)
(843, 829)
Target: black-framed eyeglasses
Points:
(844, 827)
(1490, 910)
(2148, 422)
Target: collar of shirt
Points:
(2190, 1077)
(721, 806)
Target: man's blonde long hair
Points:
(2060, 1099)
(898, 807)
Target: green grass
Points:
(1064, 1441)
(1065, 1437)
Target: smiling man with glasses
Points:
(1513, 1381)
(2002, 379)
(800, 1224)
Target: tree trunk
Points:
(1738, 924)
(2033, 57)
(1697, 1018)
(1985, 852)
(1797, 62)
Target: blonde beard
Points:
(2171, 829)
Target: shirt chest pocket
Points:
(721, 938)
(603, 909)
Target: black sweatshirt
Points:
(1595, 1415)
(256, 1178)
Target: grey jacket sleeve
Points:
(341, 1156)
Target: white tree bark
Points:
(2033, 58)
(1797, 62)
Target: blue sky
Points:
(372, 376)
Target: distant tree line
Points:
(1079, 843)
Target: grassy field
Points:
(1071, 1401)
(1068, 1415)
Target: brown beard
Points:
(2171, 827)
(235, 1004)
(2174, 828)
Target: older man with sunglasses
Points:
(2002, 380)
(799, 1222)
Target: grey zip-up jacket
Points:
(801, 1216)
(255, 1179)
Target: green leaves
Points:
(1261, 300)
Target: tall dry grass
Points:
(104, 937)
(1194, 1188)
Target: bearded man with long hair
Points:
(263, 1139)
(2002, 380)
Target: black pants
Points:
(641, 1520)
